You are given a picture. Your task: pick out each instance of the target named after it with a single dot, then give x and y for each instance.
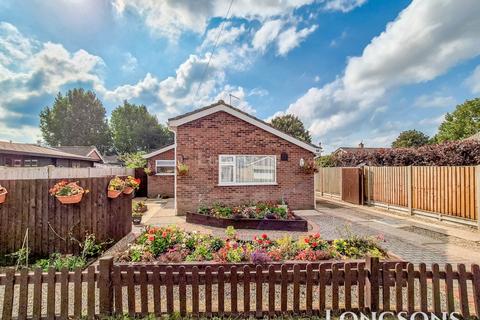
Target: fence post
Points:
(367, 184)
(372, 287)
(477, 195)
(409, 190)
(105, 286)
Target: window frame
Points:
(235, 183)
(165, 166)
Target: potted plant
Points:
(182, 169)
(140, 207)
(131, 184)
(67, 192)
(3, 194)
(137, 217)
(309, 167)
(115, 187)
(148, 171)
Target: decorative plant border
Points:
(297, 224)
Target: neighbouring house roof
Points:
(84, 151)
(39, 151)
(159, 151)
(113, 159)
(222, 106)
(475, 137)
(357, 149)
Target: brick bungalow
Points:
(235, 158)
(162, 180)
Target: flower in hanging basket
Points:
(131, 184)
(309, 167)
(67, 192)
(115, 187)
(3, 194)
(182, 169)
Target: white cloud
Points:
(343, 5)
(291, 38)
(171, 18)
(130, 63)
(474, 81)
(425, 41)
(258, 92)
(229, 34)
(434, 101)
(267, 33)
(316, 78)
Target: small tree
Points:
(134, 160)
(461, 123)
(325, 161)
(410, 139)
(292, 125)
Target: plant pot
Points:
(114, 193)
(128, 190)
(137, 219)
(76, 198)
(3, 196)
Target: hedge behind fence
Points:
(453, 153)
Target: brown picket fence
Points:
(231, 289)
(52, 225)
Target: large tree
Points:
(410, 139)
(76, 119)
(135, 129)
(292, 125)
(463, 122)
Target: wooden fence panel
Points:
(51, 224)
(306, 288)
(329, 181)
(387, 185)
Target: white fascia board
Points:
(175, 123)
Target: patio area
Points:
(413, 240)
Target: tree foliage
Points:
(76, 119)
(326, 161)
(135, 129)
(292, 125)
(461, 123)
(450, 153)
(134, 160)
(410, 139)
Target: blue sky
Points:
(352, 70)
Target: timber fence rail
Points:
(208, 290)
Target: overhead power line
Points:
(213, 49)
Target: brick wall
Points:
(201, 141)
(163, 185)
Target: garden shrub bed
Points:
(171, 245)
(295, 224)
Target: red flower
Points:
(164, 234)
(151, 237)
(307, 240)
(314, 244)
(264, 236)
(317, 235)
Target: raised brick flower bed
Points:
(296, 224)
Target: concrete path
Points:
(407, 238)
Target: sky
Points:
(351, 70)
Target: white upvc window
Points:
(247, 170)
(165, 167)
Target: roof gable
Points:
(159, 151)
(221, 106)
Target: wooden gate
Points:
(352, 185)
(143, 190)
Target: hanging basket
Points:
(3, 196)
(128, 190)
(76, 198)
(114, 193)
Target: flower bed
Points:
(172, 245)
(262, 216)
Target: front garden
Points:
(173, 245)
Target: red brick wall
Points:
(200, 142)
(163, 185)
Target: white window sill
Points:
(164, 174)
(246, 184)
